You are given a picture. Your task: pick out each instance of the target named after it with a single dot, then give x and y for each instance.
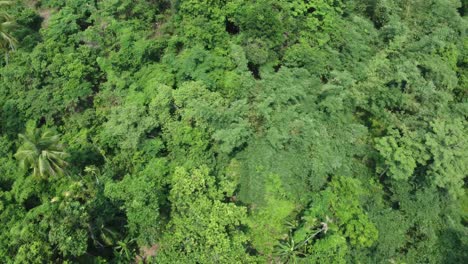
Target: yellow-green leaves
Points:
(442, 152)
(447, 143)
(398, 158)
(341, 204)
(267, 220)
(203, 227)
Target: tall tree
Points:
(7, 41)
(42, 152)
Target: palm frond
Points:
(42, 152)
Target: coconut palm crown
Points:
(42, 152)
(7, 41)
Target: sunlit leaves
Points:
(341, 203)
(42, 152)
(448, 145)
(212, 131)
(203, 228)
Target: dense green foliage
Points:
(234, 131)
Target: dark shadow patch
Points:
(323, 79)
(254, 69)
(276, 68)
(231, 28)
(85, 22)
(395, 205)
(392, 84)
(403, 85)
(179, 46)
(463, 10)
(424, 71)
(42, 121)
(31, 202)
(311, 10)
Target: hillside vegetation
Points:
(233, 131)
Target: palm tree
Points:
(41, 152)
(289, 251)
(7, 41)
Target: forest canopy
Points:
(233, 131)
